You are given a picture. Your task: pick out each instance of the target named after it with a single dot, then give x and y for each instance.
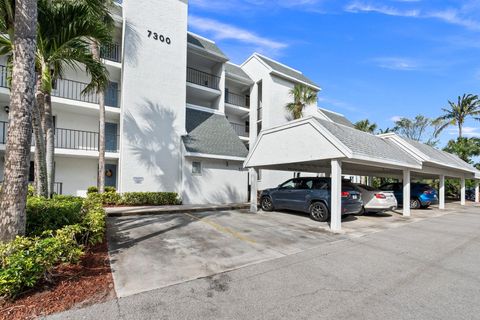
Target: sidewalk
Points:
(188, 208)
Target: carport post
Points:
(336, 195)
(462, 191)
(477, 191)
(441, 205)
(253, 190)
(406, 193)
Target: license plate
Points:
(354, 196)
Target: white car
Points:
(375, 200)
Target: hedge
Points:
(27, 260)
(111, 198)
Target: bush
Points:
(24, 261)
(110, 189)
(94, 221)
(150, 198)
(92, 189)
(52, 214)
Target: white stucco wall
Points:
(218, 182)
(154, 95)
(76, 174)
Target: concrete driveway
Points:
(150, 252)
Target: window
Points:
(197, 168)
(320, 185)
(290, 184)
(259, 177)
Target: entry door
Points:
(111, 175)
(111, 143)
(111, 95)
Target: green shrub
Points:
(94, 221)
(110, 189)
(150, 198)
(92, 189)
(52, 214)
(26, 260)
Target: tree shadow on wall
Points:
(152, 139)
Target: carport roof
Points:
(313, 140)
(430, 154)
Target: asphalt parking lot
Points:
(151, 252)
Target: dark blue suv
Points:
(311, 195)
(421, 194)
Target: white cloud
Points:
(397, 63)
(466, 132)
(396, 118)
(222, 31)
(356, 7)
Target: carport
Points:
(321, 146)
(438, 164)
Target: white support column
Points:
(406, 193)
(253, 190)
(336, 195)
(477, 191)
(462, 191)
(441, 195)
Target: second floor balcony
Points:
(203, 79)
(72, 139)
(238, 100)
(111, 52)
(73, 90)
(241, 130)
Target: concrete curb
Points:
(143, 211)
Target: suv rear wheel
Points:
(266, 204)
(319, 211)
(415, 204)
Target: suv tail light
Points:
(380, 196)
(428, 191)
(345, 194)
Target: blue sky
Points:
(375, 59)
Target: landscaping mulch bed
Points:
(71, 286)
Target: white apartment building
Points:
(180, 116)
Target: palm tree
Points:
(19, 20)
(366, 126)
(465, 148)
(467, 105)
(383, 131)
(66, 32)
(302, 97)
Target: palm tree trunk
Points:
(13, 196)
(41, 181)
(50, 144)
(101, 136)
(460, 129)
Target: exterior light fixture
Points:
(7, 109)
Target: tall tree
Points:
(366, 126)
(20, 19)
(419, 128)
(466, 106)
(302, 96)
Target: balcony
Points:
(203, 79)
(57, 187)
(111, 52)
(241, 130)
(237, 99)
(72, 90)
(72, 139)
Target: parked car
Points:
(470, 194)
(421, 194)
(375, 200)
(311, 195)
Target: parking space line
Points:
(221, 228)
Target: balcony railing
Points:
(237, 99)
(111, 52)
(72, 90)
(202, 78)
(73, 139)
(57, 187)
(241, 130)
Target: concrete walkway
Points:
(151, 210)
(422, 270)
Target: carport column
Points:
(462, 191)
(477, 191)
(336, 194)
(441, 205)
(406, 193)
(253, 190)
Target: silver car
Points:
(375, 200)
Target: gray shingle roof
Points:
(440, 156)
(205, 44)
(236, 71)
(287, 71)
(337, 118)
(368, 145)
(212, 134)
